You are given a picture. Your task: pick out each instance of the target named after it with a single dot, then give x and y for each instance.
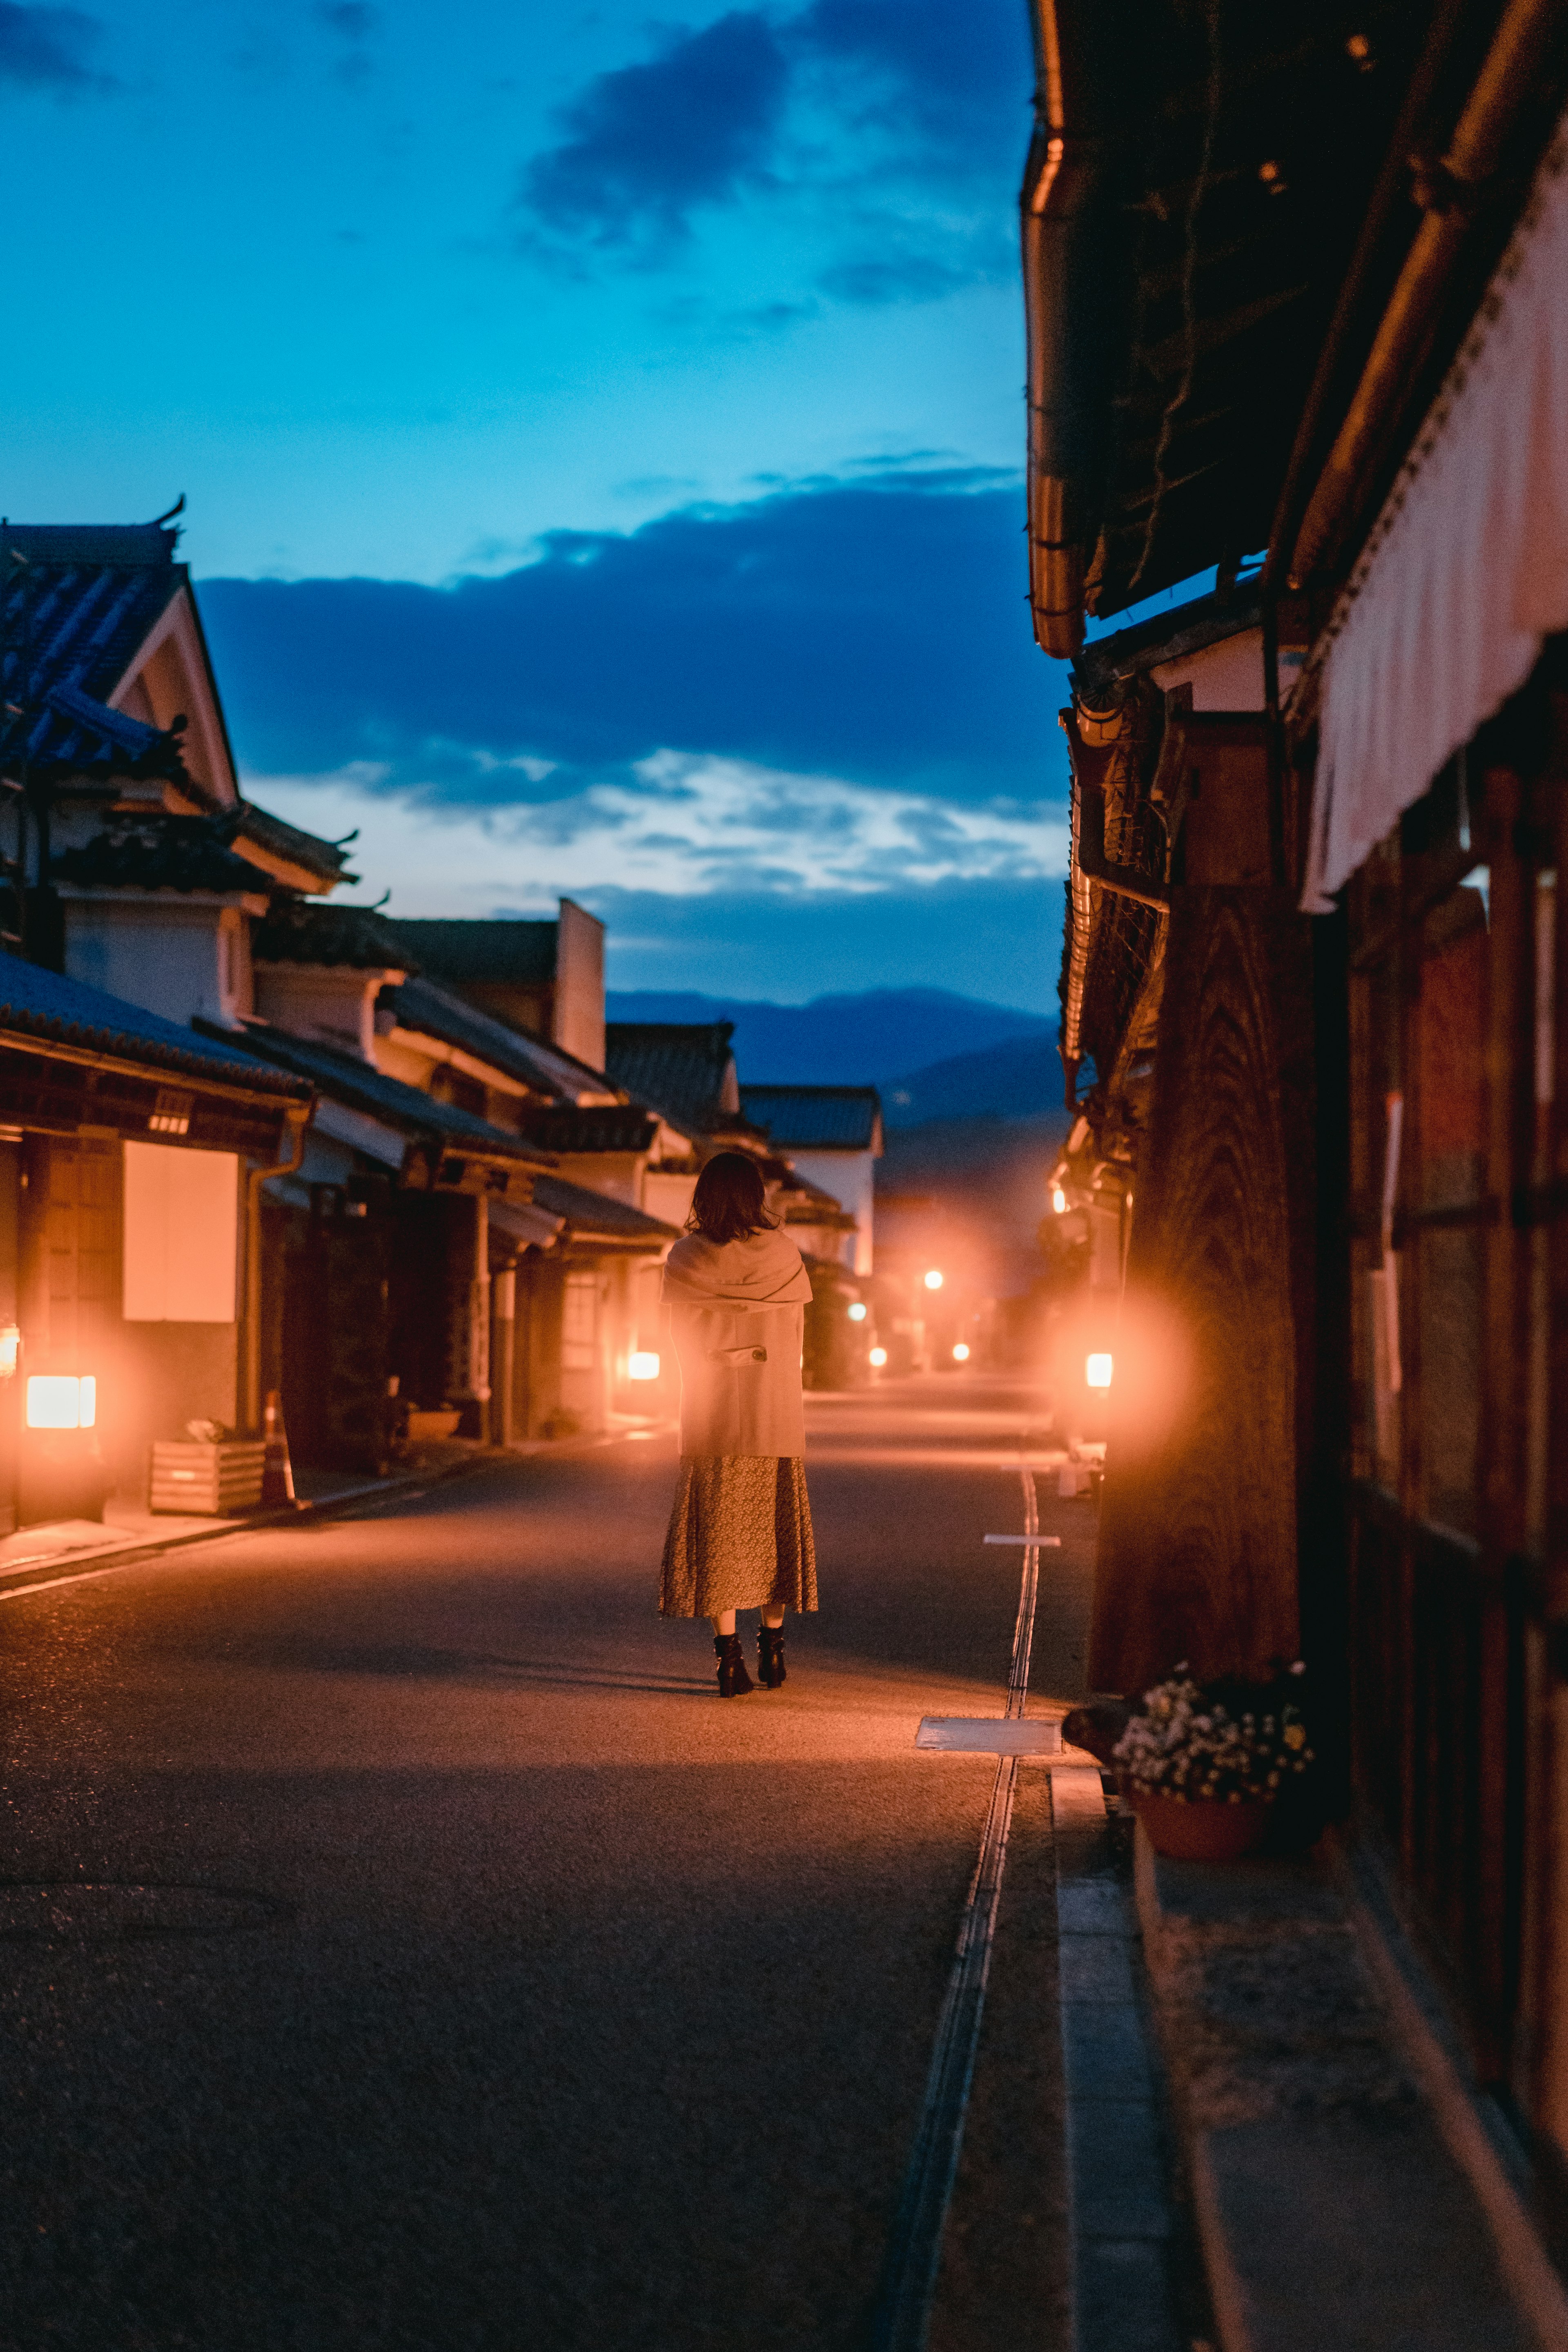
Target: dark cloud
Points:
(873, 630)
(955, 71)
(48, 48)
(647, 143)
(875, 107)
(356, 25)
(881, 278)
(352, 19)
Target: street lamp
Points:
(960, 1353)
(879, 1357)
(933, 1280)
(858, 1312)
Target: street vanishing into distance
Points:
(406, 1948)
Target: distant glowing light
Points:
(1058, 1200)
(960, 1353)
(61, 1400)
(10, 1347)
(933, 1280)
(857, 1313)
(1096, 1371)
(643, 1365)
(878, 1356)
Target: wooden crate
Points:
(211, 1480)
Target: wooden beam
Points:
(1198, 1530)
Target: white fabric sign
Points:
(1466, 570)
(182, 1232)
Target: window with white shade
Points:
(182, 1235)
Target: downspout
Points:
(297, 1118)
(1507, 81)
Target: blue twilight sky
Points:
(601, 435)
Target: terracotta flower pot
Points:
(1206, 1829)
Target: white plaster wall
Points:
(1225, 677)
(331, 1002)
(164, 953)
(850, 1177)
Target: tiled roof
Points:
(423, 1005)
(462, 952)
(678, 1066)
(40, 1003)
(327, 858)
(72, 616)
(349, 1080)
(815, 1118)
(593, 1216)
(159, 852)
(302, 930)
(596, 1127)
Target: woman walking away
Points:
(739, 1533)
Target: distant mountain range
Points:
(932, 1054)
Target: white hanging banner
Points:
(1465, 571)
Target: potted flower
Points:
(1203, 1766)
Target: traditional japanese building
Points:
(1297, 331)
(132, 1154)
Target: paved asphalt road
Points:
(493, 1984)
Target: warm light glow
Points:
(1096, 1371)
(10, 1345)
(933, 1280)
(643, 1365)
(878, 1356)
(857, 1313)
(61, 1400)
(960, 1353)
(1058, 1200)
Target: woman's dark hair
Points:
(728, 1203)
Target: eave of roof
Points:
(363, 1088)
(303, 931)
(1193, 198)
(158, 852)
(287, 845)
(623, 1127)
(422, 1005)
(593, 1216)
(46, 1005)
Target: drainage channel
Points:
(903, 2313)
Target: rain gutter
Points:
(1067, 219)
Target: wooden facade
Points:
(1315, 984)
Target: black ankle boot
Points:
(770, 1657)
(733, 1679)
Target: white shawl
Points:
(738, 1318)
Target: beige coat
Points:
(737, 1312)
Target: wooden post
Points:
(503, 1311)
(1198, 1533)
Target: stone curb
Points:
(1334, 2207)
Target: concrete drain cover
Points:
(76, 1912)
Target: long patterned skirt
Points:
(740, 1535)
